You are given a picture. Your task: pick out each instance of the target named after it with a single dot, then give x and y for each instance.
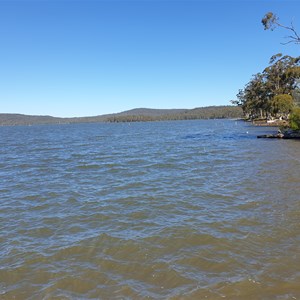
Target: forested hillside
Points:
(211, 112)
(134, 115)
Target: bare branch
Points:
(271, 21)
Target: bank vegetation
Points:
(274, 93)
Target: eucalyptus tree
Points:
(279, 78)
(282, 74)
(277, 89)
(271, 21)
(253, 98)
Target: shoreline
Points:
(265, 123)
(284, 133)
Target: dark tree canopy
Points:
(270, 92)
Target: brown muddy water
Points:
(162, 210)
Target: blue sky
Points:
(82, 58)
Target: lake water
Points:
(161, 210)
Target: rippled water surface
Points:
(162, 210)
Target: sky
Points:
(86, 58)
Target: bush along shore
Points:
(286, 128)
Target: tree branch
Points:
(270, 21)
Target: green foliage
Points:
(296, 97)
(282, 103)
(258, 98)
(295, 119)
(275, 90)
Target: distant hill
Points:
(150, 112)
(19, 119)
(210, 112)
(134, 115)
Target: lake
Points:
(158, 210)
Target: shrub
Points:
(282, 103)
(295, 119)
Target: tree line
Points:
(274, 92)
(135, 115)
(211, 112)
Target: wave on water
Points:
(162, 210)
